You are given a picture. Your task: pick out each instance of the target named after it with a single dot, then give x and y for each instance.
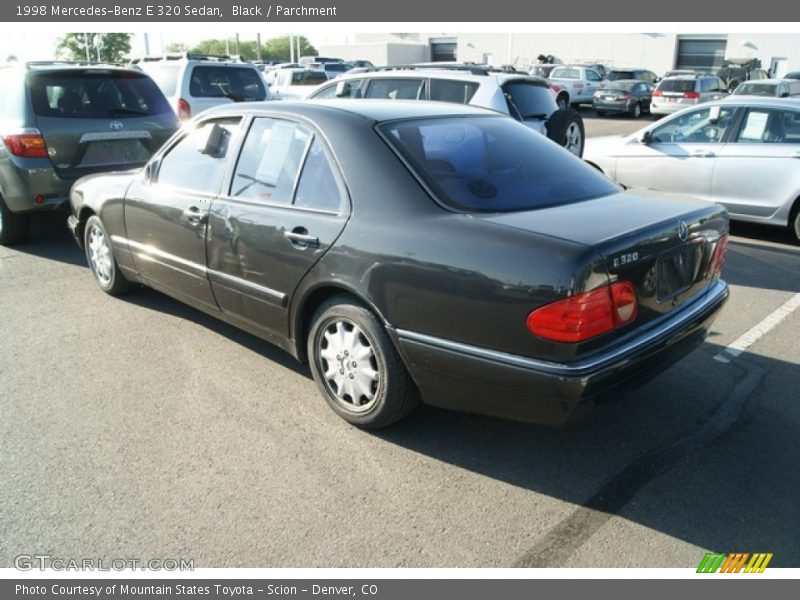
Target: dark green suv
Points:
(60, 121)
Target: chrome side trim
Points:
(249, 285)
(152, 253)
(672, 323)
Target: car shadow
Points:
(709, 463)
(765, 266)
(49, 238)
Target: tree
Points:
(108, 47)
(274, 49)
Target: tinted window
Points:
(676, 85)
(625, 86)
(770, 127)
(755, 89)
(352, 89)
(528, 100)
(197, 161)
(308, 77)
(96, 94)
(318, 186)
(614, 75)
(695, 127)
(236, 83)
(447, 90)
(270, 161)
(396, 89)
(337, 67)
(592, 76)
(491, 164)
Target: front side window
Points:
(592, 76)
(270, 161)
(197, 161)
(493, 164)
(702, 126)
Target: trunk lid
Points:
(661, 243)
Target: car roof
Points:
(768, 81)
(374, 110)
(442, 73)
(618, 81)
(759, 102)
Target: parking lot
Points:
(141, 428)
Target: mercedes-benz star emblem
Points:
(683, 231)
(116, 125)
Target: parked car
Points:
(741, 152)
(525, 98)
(194, 82)
(639, 74)
(792, 75)
(736, 71)
(295, 84)
(410, 248)
(771, 88)
(59, 121)
(575, 84)
(624, 95)
(676, 93)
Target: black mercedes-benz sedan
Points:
(413, 251)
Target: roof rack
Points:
(187, 56)
(32, 64)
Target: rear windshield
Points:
(529, 100)
(752, 89)
(237, 83)
(493, 164)
(625, 86)
(96, 94)
(337, 67)
(676, 85)
(308, 78)
(614, 75)
(165, 76)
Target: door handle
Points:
(703, 154)
(299, 236)
(194, 216)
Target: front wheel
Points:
(565, 127)
(101, 259)
(13, 227)
(795, 223)
(356, 366)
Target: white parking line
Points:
(754, 334)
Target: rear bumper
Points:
(667, 108)
(467, 378)
(23, 179)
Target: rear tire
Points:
(794, 222)
(101, 259)
(636, 110)
(356, 366)
(565, 127)
(13, 227)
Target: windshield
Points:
(96, 94)
(493, 164)
(753, 89)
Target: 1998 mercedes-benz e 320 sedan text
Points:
(413, 250)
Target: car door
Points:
(166, 210)
(284, 206)
(679, 154)
(759, 171)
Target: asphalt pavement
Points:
(137, 427)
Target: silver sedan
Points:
(742, 153)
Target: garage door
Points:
(706, 55)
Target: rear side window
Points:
(614, 75)
(560, 73)
(677, 85)
(96, 94)
(237, 83)
(493, 164)
(308, 77)
(396, 89)
(447, 90)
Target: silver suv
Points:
(194, 82)
(527, 99)
(676, 93)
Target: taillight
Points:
(587, 315)
(625, 97)
(556, 88)
(718, 257)
(691, 95)
(658, 93)
(184, 110)
(29, 144)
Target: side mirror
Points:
(341, 89)
(644, 137)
